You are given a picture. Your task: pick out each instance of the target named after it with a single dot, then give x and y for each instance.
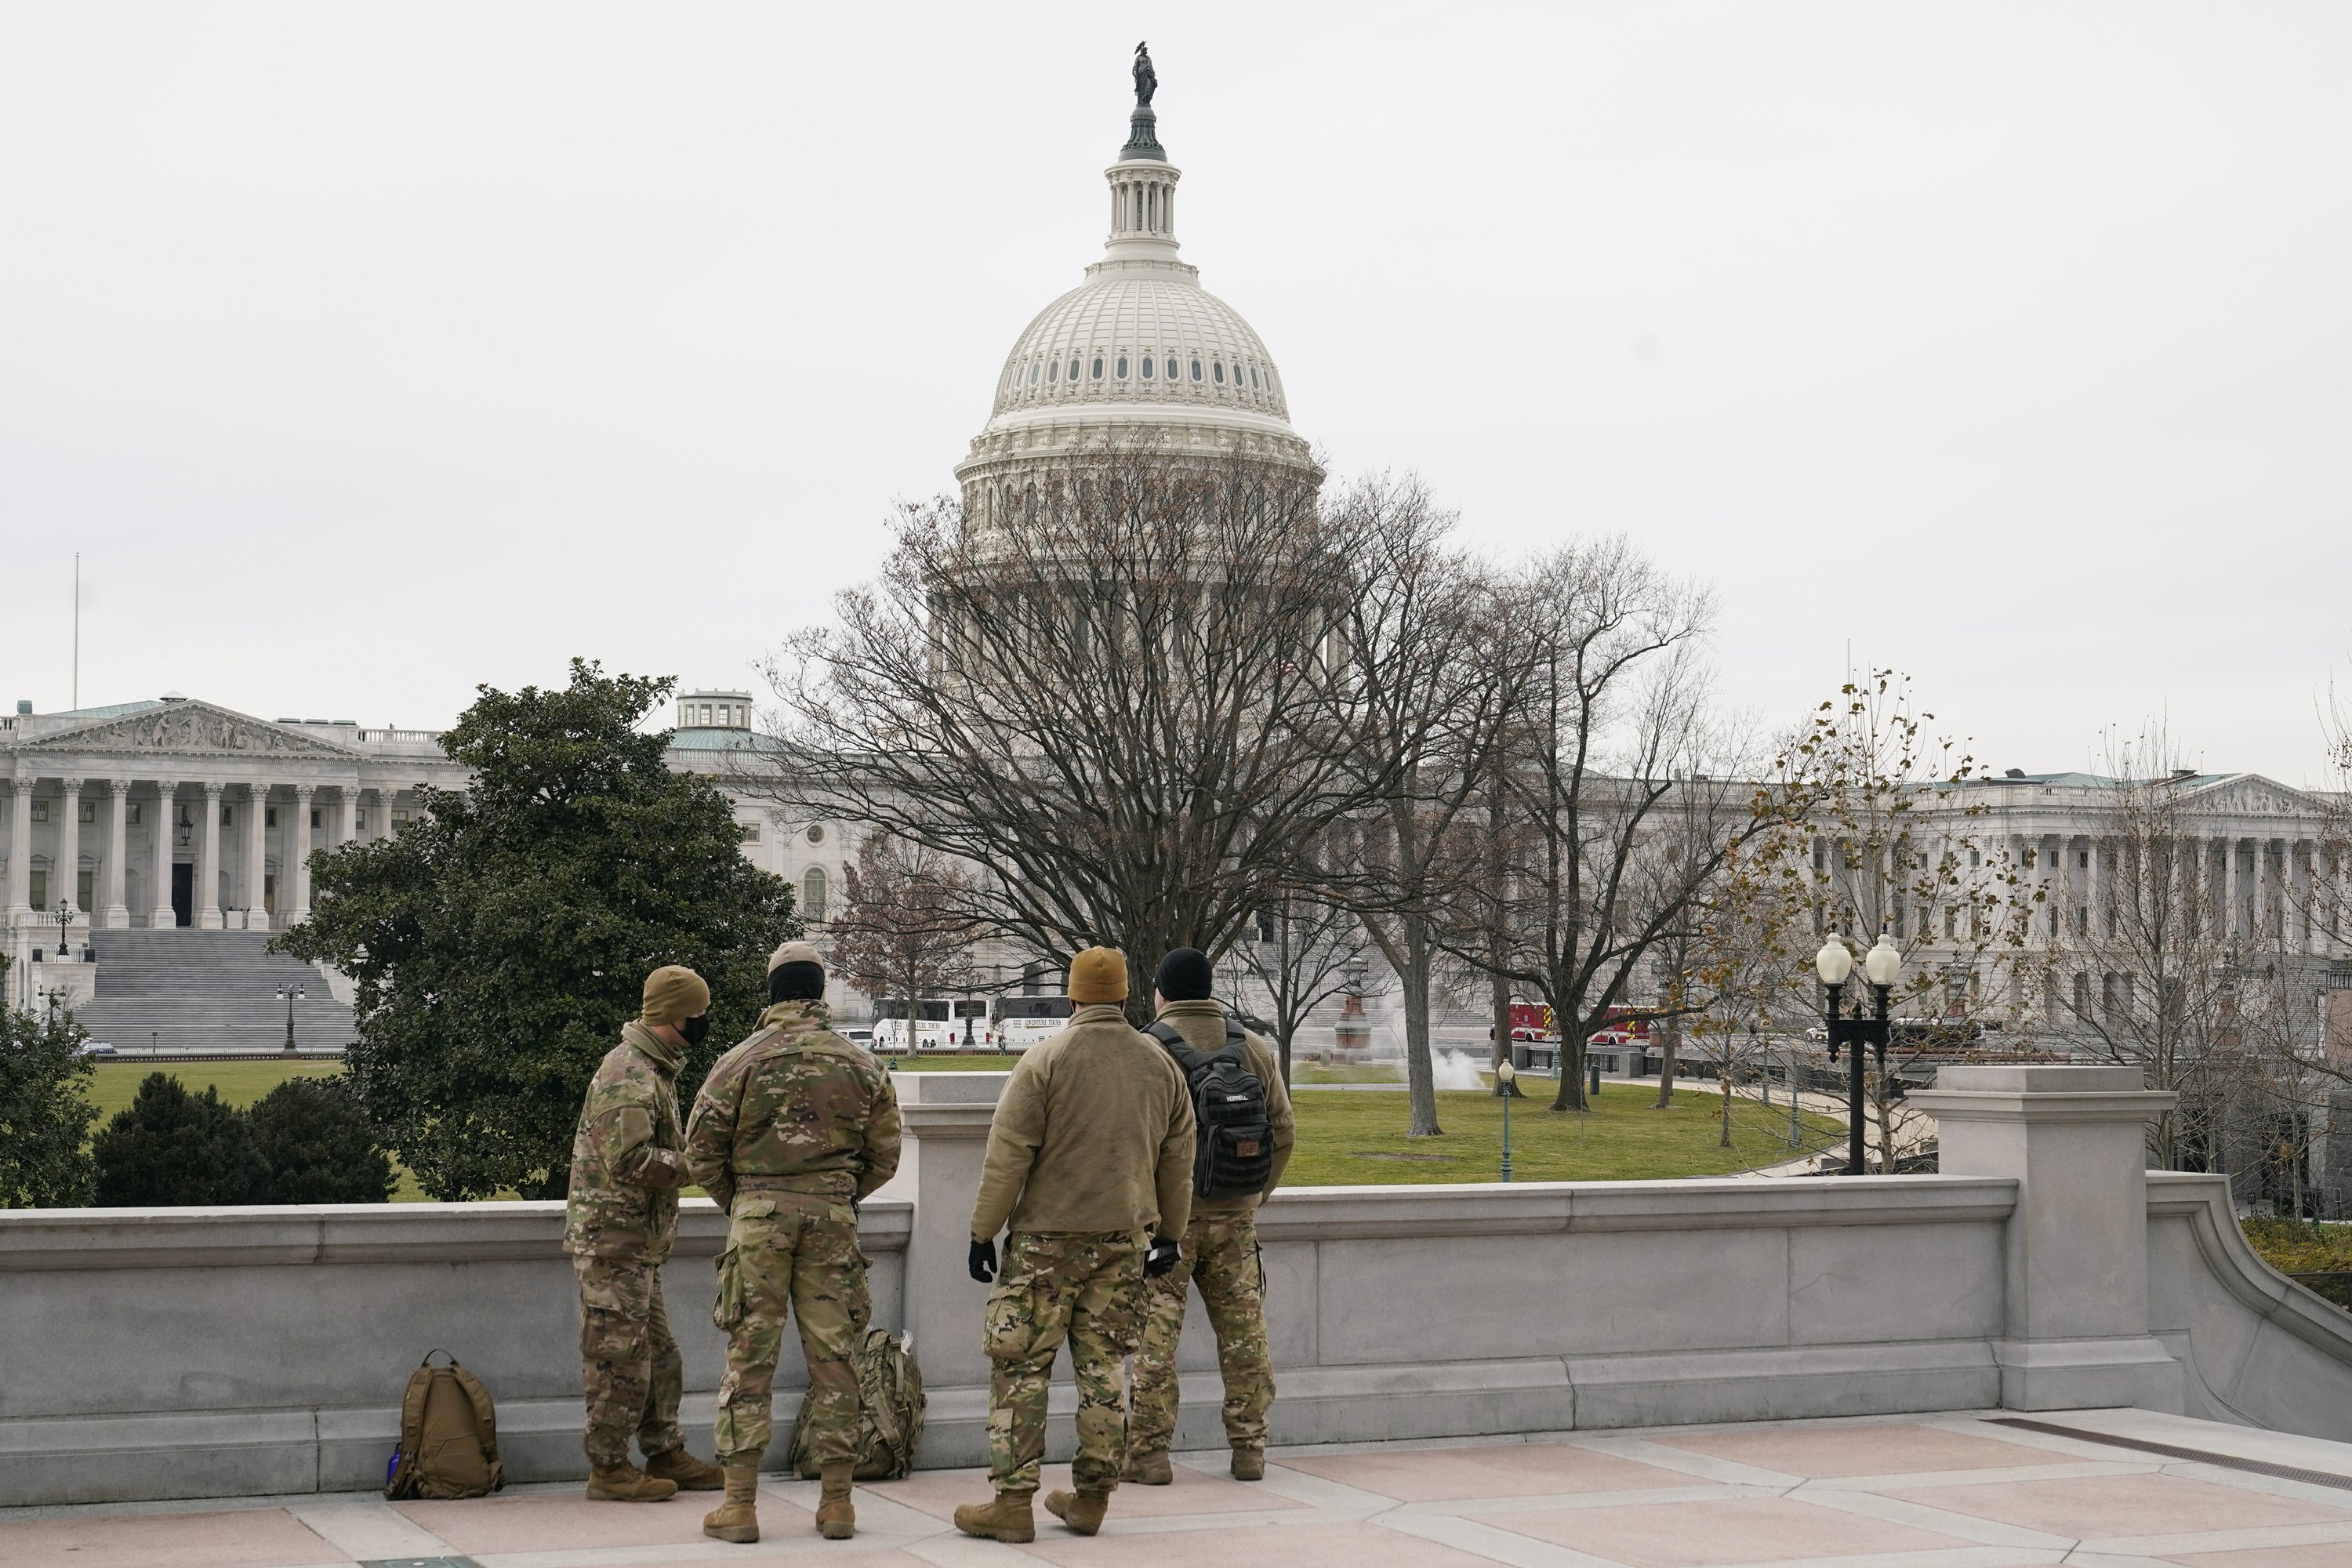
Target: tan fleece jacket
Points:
(1203, 1024)
(1094, 1132)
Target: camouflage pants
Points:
(1087, 1289)
(629, 1365)
(1220, 1256)
(796, 1249)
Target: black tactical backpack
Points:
(1235, 1151)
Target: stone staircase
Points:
(181, 990)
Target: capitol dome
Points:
(1139, 354)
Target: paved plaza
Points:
(1962, 1491)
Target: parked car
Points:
(99, 1048)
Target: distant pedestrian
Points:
(1090, 1159)
(792, 1127)
(627, 1163)
(1233, 1174)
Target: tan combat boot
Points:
(737, 1518)
(690, 1474)
(624, 1482)
(1249, 1464)
(1007, 1518)
(1082, 1512)
(836, 1518)
(1148, 1469)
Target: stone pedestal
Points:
(2075, 1305)
(946, 1116)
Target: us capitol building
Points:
(176, 814)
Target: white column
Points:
(256, 856)
(383, 793)
(294, 863)
(163, 916)
(347, 811)
(2233, 890)
(65, 880)
(118, 837)
(208, 899)
(20, 853)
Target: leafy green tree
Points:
(497, 944)
(171, 1149)
(45, 1110)
(319, 1147)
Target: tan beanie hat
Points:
(793, 953)
(1098, 974)
(673, 992)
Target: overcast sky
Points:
(369, 353)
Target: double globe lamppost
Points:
(1882, 967)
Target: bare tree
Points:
(1885, 846)
(904, 924)
(1612, 735)
(2148, 964)
(1302, 950)
(1427, 687)
(1114, 696)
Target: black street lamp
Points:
(1882, 967)
(65, 924)
(292, 993)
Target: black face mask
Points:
(695, 1029)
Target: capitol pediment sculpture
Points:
(191, 728)
(2254, 795)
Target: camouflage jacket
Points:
(626, 1166)
(796, 1108)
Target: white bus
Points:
(968, 1024)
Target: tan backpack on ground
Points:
(448, 1435)
(889, 1411)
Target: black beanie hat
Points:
(796, 983)
(1185, 975)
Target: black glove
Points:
(982, 1261)
(1163, 1257)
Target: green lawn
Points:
(1348, 1139)
(1345, 1138)
(240, 1083)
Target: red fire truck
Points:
(1531, 1024)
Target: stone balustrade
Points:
(193, 1352)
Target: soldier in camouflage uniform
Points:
(1220, 1256)
(627, 1168)
(793, 1128)
(1090, 1159)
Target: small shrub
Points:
(316, 1139)
(171, 1149)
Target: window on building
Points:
(1097, 367)
(314, 816)
(269, 816)
(2082, 858)
(41, 810)
(816, 833)
(748, 832)
(1266, 925)
(135, 816)
(85, 886)
(1054, 372)
(1122, 367)
(1171, 370)
(359, 819)
(1252, 378)
(399, 820)
(270, 891)
(1148, 362)
(228, 817)
(89, 811)
(40, 889)
(1217, 373)
(1196, 370)
(812, 891)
